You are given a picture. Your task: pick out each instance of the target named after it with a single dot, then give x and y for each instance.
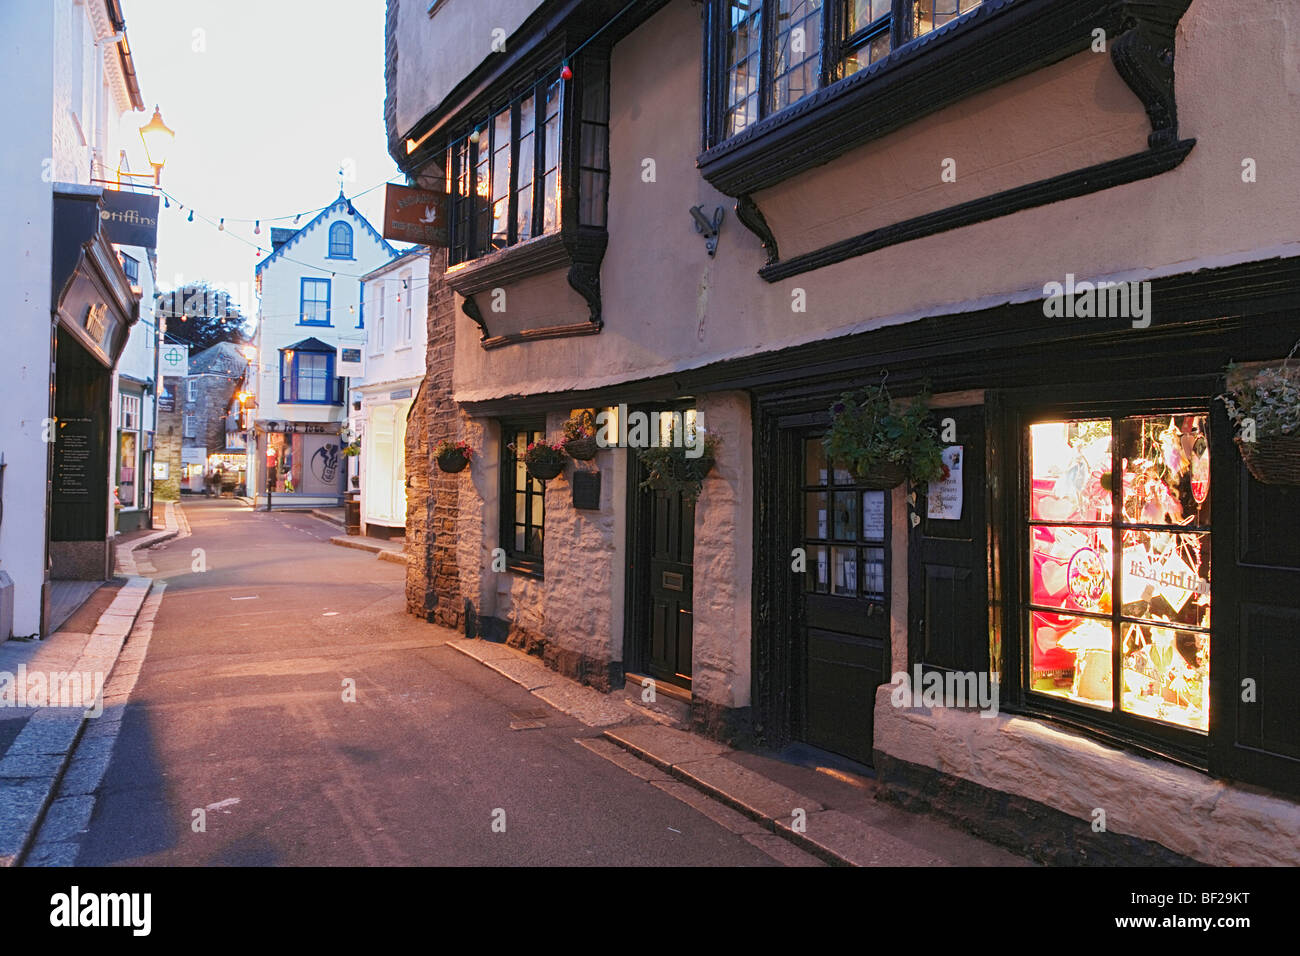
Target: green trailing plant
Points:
(580, 436)
(876, 437)
(669, 468)
(541, 453)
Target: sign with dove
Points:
(415, 215)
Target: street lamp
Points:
(157, 137)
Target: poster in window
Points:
(126, 465)
(944, 502)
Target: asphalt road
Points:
(240, 710)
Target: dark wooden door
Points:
(671, 546)
(845, 537)
(948, 598)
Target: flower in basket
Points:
(580, 436)
(669, 468)
(878, 438)
(446, 447)
(542, 453)
(1264, 403)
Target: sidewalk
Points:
(835, 816)
(40, 739)
(394, 551)
(37, 740)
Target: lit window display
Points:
(1119, 565)
(284, 462)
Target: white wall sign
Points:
(174, 359)
(944, 502)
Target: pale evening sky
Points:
(268, 99)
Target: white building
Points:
(136, 395)
(310, 308)
(395, 307)
(69, 307)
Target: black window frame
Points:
(1167, 740)
(526, 561)
(836, 44)
(582, 176)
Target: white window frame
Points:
(128, 417)
(191, 390)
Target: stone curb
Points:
(326, 516)
(53, 733)
(749, 800)
(361, 544)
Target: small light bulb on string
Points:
(475, 136)
(297, 218)
(257, 227)
(221, 226)
(565, 72)
(191, 216)
(166, 204)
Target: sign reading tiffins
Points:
(415, 215)
(302, 428)
(129, 219)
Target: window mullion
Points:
(539, 156)
(512, 203)
(767, 50)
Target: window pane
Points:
(814, 462)
(816, 517)
(796, 66)
(501, 180)
(844, 568)
(845, 508)
(1071, 658)
(1166, 462)
(744, 41)
(932, 14)
(551, 161)
(1166, 578)
(524, 174)
(873, 573)
(1071, 568)
(1167, 675)
(482, 196)
(863, 13)
(818, 574)
(1070, 464)
(871, 51)
(874, 515)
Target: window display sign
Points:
(944, 502)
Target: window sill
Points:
(529, 567)
(995, 42)
(318, 325)
(342, 258)
(580, 250)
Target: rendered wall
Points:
(667, 305)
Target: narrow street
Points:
(239, 709)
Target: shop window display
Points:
(287, 463)
(1119, 555)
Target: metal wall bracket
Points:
(708, 227)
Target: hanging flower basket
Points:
(580, 436)
(543, 460)
(1264, 404)
(453, 456)
(882, 442)
(1273, 461)
(668, 468)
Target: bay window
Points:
(1117, 565)
(510, 175)
(769, 54)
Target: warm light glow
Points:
(157, 138)
(250, 352)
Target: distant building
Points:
(310, 293)
(396, 302)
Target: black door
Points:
(845, 537)
(948, 600)
(671, 547)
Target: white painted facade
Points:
(66, 96)
(299, 273)
(396, 307)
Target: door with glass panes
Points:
(845, 626)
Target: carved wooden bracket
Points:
(751, 217)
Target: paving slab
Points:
(591, 707)
(617, 755)
(782, 849)
(526, 674)
(665, 746)
(483, 651)
(67, 817)
(859, 843)
(20, 804)
(746, 789)
(717, 812)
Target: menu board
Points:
(73, 447)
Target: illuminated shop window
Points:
(1119, 565)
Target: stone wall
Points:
(167, 444)
(433, 584)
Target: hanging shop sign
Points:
(130, 219)
(349, 362)
(302, 428)
(175, 360)
(415, 215)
